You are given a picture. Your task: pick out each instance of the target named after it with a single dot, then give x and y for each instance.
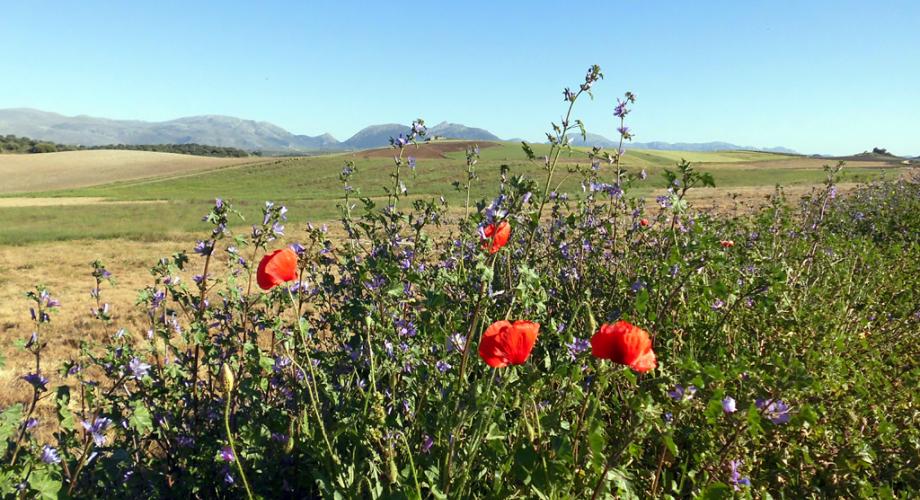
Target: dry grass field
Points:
(74, 169)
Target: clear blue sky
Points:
(817, 76)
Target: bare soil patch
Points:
(426, 150)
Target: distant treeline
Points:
(14, 144)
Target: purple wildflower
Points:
(204, 247)
(620, 110)
(226, 454)
(718, 304)
(443, 366)
(38, 381)
(138, 368)
(576, 347)
(736, 479)
(775, 410)
(728, 405)
(681, 393)
(97, 429)
(50, 455)
(427, 443)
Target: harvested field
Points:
(74, 169)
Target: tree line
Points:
(24, 145)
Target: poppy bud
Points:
(643, 222)
(229, 378)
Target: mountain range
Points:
(218, 130)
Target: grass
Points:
(310, 187)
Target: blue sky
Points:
(816, 76)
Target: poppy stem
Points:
(468, 342)
(311, 389)
(236, 456)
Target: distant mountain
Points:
(601, 141)
(457, 131)
(250, 135)
(374, 136)
(209, 129)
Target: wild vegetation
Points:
(555, 337)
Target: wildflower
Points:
(412, 162)
(31, 424)
(643, 222)
(427, 443)
(494, 238)
(138, 368)
(97, 429)
(775, 410)
(624, 343)
(277, 267)
(456, 342)
(226, 454)
(443, 366)
(727, 243)
(576, 347)
(405, 327)
(505, 343)
(680, 393)
(718, 304)
(736, 479)
(204, 248)
(50, 455)
(38, 381)
(643, 174)
(728, 405)
(620, 110)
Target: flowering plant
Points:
(350, 369)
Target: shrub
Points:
(783, 363)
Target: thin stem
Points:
(310, 390)
(237, 458)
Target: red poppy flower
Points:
(624, 343)
(276, 268)
(505, 343)
(727, 243)
(643, 222)
(494, 239)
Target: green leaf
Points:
(9, 421)
(45, 484)
(715, 491)
(753, 418)
(140, 419)
(62, 401)
(669, 444)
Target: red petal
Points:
(277, 267)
